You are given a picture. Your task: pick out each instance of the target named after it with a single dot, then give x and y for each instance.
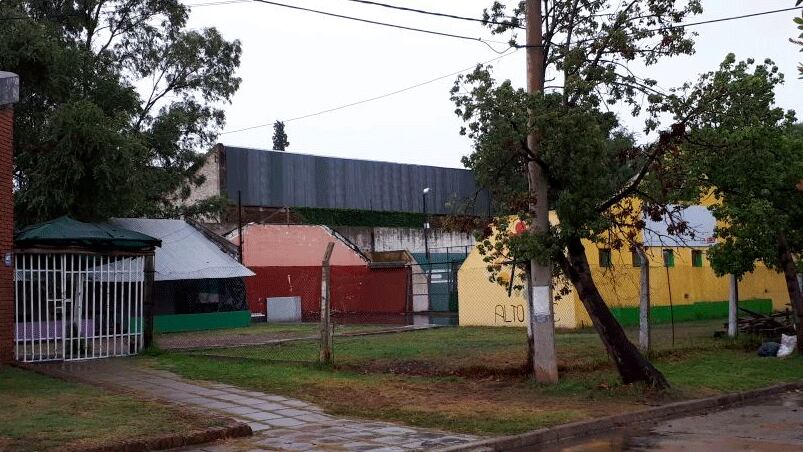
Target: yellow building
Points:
(680, 276)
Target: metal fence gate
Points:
(77, 306)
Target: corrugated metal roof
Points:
(701, 223)
(275, 179)
(185, 252)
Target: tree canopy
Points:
(748, 152)
(116, 99)
(592, 166)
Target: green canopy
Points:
(65, 231)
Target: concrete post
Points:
(644, 337)
(326, 311)
(9, 95)
(733, 305)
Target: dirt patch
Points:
(483, 406)
(504, 371)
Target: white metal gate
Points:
(77, 306)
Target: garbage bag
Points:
(788, 344)
(768, 349)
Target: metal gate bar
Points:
(77, 306)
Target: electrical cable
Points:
(360, 102)
(504, 55)
(384, 24)
(429, 13)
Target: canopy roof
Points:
(66, 232)
(185, 253)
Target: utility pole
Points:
(542, 324)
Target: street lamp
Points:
(426, 223)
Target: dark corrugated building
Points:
(277, 179)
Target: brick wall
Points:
(6, 235)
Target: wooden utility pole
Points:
(644, 334)
(326, 319)
(733, 304)
(542, 324)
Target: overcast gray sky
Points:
(296, 63)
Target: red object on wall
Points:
(6, 235)
(353, 290)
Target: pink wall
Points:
(293, 246)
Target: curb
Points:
(577, 430)
(229, 428)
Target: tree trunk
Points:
(630, 363)
(795, 295)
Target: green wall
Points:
(700, 310)
(200, 322)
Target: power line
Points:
(385, 24)
(744, 16)
(707, 22)
(430, 13)
(364, 101)
(222, 2)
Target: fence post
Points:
(147, 302)
(644, 302)
(326, 321)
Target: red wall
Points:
(353, 289)
(6, 235)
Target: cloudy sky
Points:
(297, 63)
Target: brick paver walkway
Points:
(279, 423)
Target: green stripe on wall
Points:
(200, 322)
(700, 310)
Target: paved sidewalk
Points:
(279, 423)
(771, 424)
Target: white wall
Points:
(410, 239)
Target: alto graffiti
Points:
(509, 313)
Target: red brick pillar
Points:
(9, 92)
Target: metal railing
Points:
(77, 306)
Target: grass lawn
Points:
(474, 379)
(41, 413)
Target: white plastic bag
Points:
(788, 344)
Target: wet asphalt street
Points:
(774, 424)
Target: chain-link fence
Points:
(373, 310)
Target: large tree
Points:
(591, 166)
(749, 153)
(117, 98)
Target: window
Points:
(637, 262)
(669, 258)
(605, 258)
(696, 258)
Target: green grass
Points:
(485, 349)
(474, 380)
(40, 413)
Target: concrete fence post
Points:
(326, 308)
